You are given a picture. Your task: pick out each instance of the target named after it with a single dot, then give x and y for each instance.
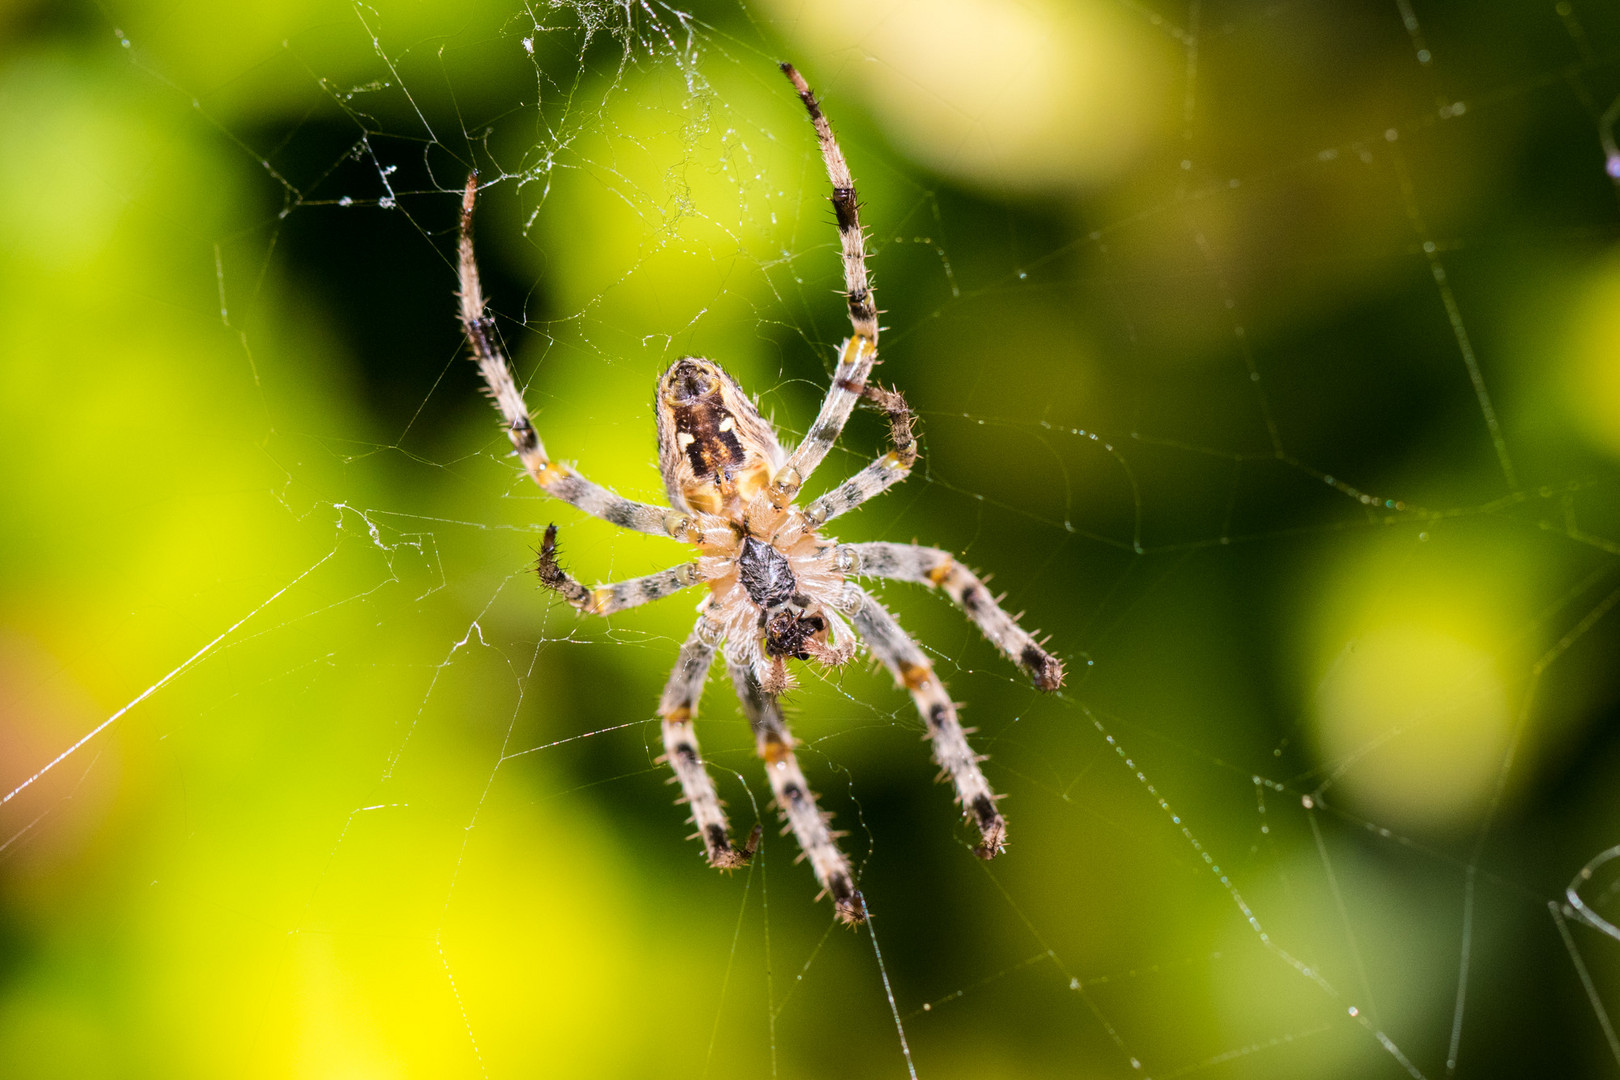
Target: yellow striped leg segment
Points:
(678, 708)
(558, 480)
(911, 669)
(931, 567)
(848, 385)
(793, 795)
(883, 473)
(858, 354)
(607, 599)
(846, 208)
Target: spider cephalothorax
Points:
(779, 590)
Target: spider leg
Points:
(558, 480)
(846, 207)
(607, 599)
(911, 669)
(678, 708)
(859, 353)
(931, 567)
(883, 473)
(793, 795)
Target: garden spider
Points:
(778, 588)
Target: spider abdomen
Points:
(716, 452)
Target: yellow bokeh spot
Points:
(1418, 652)
(1413, 722)
(1030, 96)
(1592, 382)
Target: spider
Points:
(779, 589)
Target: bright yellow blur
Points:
(1592, 374)
(1410, 713)
(1032, 97)
(1415, 720)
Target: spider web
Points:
(1266, 357)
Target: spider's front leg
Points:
(678, 708)
(607, 599)
(556, 479)
(931, 567)
(911, 669)
(793, 795)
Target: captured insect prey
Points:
(780, 588)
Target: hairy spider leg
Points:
(793, 795)
(911, 669)
(848, 386)
(859, 353)
(846, 207)
(558, 480)
(678, 708)
(607, 599)
(883, 473)
(931, 567)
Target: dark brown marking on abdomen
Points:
(713, 454)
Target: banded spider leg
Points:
(678, 708)
(859, 352)
(933, 567)
(794, 799)
(911, 669)
(556, 479)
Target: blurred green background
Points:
(1269, 357)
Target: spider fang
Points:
(787, 634)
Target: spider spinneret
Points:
(778, 589)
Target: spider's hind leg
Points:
(846, 208)
(859, 351)
(559, 480)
